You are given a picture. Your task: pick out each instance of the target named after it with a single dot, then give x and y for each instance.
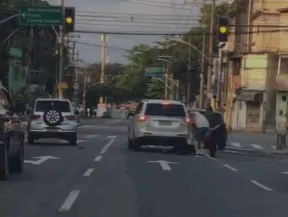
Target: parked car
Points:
(159, 123)
(53, 118)
(11, 137)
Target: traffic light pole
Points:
(61, 52)
(211, 44)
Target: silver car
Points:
(53, 118)
(159, 123)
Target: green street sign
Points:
(155, 72)
(40, 16)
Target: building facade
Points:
(258, 63)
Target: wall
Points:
(253, 71)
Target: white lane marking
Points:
(230, 167)
(274, 146)
(91, 136)
(66, 206)
(88, 172)
(256, 146)
(105, 148)
(207, 155)
(79, 141)
(111, 137)
(261, 186)
(286, 173)
(235, 144)
(234, 152)
(98, 158)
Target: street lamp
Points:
(191, 45)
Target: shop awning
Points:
(250, 96)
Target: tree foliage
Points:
(132, 83)
(43, 44)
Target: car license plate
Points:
(165, 123)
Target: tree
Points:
(44, 44)
(156, 89)
(222, 9)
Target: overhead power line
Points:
(99, 45)
(125, 14)
(135, 22)
(133, 18)
(158, 33)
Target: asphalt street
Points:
(102, 178)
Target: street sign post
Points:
(40, 15)
(155, 72)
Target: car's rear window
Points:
(171, 110)
(62, 106)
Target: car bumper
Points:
(162, 140)
(56, 135)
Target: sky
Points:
(158, 16)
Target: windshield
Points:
(62, 106)
(171, 110)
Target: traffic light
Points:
(69, 19)
(223, 28)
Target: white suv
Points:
(53, 118)
(159, 123)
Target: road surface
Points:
(102, 178)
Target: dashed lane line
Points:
(230, 167)
(258, 184)
(105, 148)
(89, 172)
(68, 203)
(98, 158)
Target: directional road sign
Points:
(40, 15)
(154, 72)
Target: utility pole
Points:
(188, 96)
(201, 91)
(210, 49)
(103, 57)
(219, 78)
(61, 51)
(29, 62)
(166, 80)
(103, 62)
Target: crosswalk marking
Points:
(256, 146)
(236, 144)
(91, 136)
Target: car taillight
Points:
(70, 117)
(142, 118)
(35, 117)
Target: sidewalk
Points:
(259, 142)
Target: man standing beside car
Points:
(200, 126)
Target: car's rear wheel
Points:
(4, 163)
(136, 145)
(17, 161)
(73, 140)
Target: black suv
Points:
(11, 137)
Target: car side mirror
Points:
(77, 112)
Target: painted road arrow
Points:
(23, 15)
(163, 164)
(40, 160)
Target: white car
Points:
(159, 123)
(53, 118)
